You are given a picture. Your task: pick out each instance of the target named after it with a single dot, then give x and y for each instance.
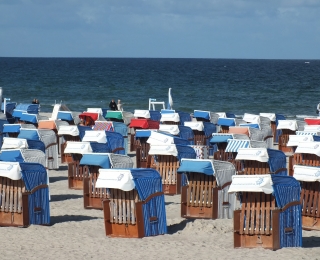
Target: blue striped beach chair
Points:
(91, 163)
(309, 178)
(270, 214)
(135, 207)
(24, 194)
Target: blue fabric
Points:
(11, 156)
(184, 117)
(182, 141)
(143, 133)
(200, 166)
(10, 106)
(29, 134)
(34, 175)
(220, 138)
(121, 128)
(201, 114)
(36, 144)
(147, 182)
(167, 111)
(65, 115)
(287, 189)
(230, 115)
(185, 151)
(251, 125)
(155, 115)
(277, 160)
(26, 108)
(226, 121)
(14, 128)
(31, 118)
(155, 208)
(82, 130)
(186, 132)
(316, 138)
(115, 140)
(100, 147)
(101, 160)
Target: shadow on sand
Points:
(59, 178)
(309, 242)
(179, 226)
(68, 218)
(61, 197)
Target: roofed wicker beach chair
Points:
(67, 133)
(201, 115)
(170, 117)
(24, 194)
(91, 163)
(75, 170)
(287, 127)
(261, 161)
(71, 117)
(135, 207)
(309, 178)
(205, 195)
(166, 160)
(220, 142)
(270, 213)
(225, 123)
(48, 137)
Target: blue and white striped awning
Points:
(307, 133)
(234, 145)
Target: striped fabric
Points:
(103, 125)
(234, 145)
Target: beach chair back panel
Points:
(100, 193)
(11, 202)
(167, 166)
(200, 190)
(76, 174)
(123, 206)
(254, 167)
(142, 156)
(199, 137)
(310, 201)
(284, 139)
(224, 129)
(306, 159)
(256, 217)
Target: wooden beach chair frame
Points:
(284, 139)
(126, 219)
(257, 223)
(167, 166)
(76, 173)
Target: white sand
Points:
(76, 233)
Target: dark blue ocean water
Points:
(289, 87)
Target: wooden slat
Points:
(248, 211)
(258, 213)
(1, 194)
(263, 213)
(7, 195)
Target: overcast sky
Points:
(267, 29)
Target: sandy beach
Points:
(77, 233)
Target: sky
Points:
(249, 29)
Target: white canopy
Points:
(251, 118)
(141, 113)
(306, 173)
(288, 124)
(312, 128)
(95, 110)
(195, 125)
(254, 154)
(170, 129)
(68, 130)
(14, 143)
(170, 117)
(78, 147)
(221, 114)
(271, 116)
(309, 147)
(159, 139)
(163, 150)
(115, 179)
(254, 183)
(95, 136)
(294, 140)
(10, 170)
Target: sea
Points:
(287, 87)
